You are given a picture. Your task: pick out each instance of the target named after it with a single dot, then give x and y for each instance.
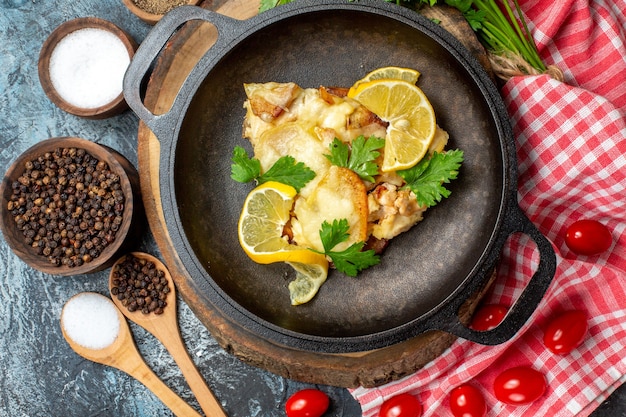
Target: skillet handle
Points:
(527, 302)
(142, 63)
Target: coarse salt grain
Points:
(87, 67)
(91, 320)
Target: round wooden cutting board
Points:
(368, 369)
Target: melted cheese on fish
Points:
(285, 119)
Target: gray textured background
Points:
(39, 374)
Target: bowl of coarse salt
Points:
(82, 65)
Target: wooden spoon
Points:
(165, 328)
(123, 355)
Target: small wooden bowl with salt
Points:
(82, 65)
(151, 11)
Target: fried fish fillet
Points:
(285, 119)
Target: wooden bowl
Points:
(101, 111)
(127, 233)
(146, 16)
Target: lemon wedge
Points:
(389, 73)
(263, 218)
(309, 279)
(411, 119)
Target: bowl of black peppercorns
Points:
(70, 206)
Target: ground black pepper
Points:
(68, 205)
(158, 6)
(140, 285)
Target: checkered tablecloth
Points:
(571, 147)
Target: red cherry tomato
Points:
(566, 332)
(307, 403)
(467, 401)
(402, 405)
(588, 237)
(488, 316)
(519, 385)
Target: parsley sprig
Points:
(285, 170)
(359, 158)
(352, 260)
(427, 177)
(270, 4)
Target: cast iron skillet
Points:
(425, 274)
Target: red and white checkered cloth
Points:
(571, 145)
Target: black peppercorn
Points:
(46, 209)
(134, 282)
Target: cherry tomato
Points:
(588, 237)
(402, 405)
(467, 401)
(519, 385)
(307, 403)
(488, 317)
(566, 332)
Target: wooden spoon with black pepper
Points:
(143, 289)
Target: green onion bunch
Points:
(500, 27)
(504, 34)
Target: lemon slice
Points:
(389, 73)
(309, 279)
(263, 218)
(411, 119)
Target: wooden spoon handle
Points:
(198, 385)
(125, 356)
(144, 374)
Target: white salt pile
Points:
(87, 67)
(91, 320)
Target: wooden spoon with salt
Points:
(165, 328)
(119, 351)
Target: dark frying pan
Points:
(425, 274)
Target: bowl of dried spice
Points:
(82, 65)
(151, 11)
(70, 206)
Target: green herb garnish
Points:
(244, 169)
(285, 170)
(352, 260)
(270, 4)
(360, 158)
(427, 177)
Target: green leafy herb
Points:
(270, 4)
(351, 260)
(288, 171)
(244, 169)
(475, 18)
(426, 179)
(462, 5)
(285, 170)
(360, 158)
